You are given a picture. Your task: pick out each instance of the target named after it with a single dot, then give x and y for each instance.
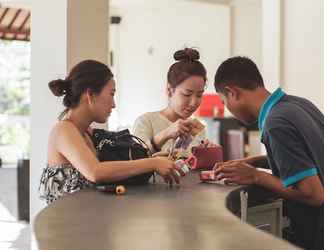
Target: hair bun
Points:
(187, 54)
(60, 87)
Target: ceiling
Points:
(15, 14)
(14, 24)
(115, 3)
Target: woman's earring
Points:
(169, 91)
(90, 98)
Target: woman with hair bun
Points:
(185, 87)
(88, 96)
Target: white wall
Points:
(247, 29)
(87, 34)
(256, 33)
(22, 4)
(303, 49)
(149, 35)
(44, 108)
(272, 43)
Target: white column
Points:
(63, 33)
(271, 43)
(87, 30)
(246, 29)
(303, 50)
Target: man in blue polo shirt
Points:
(292, 130)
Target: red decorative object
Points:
(211, 106)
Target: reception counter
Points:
(191, 216)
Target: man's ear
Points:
(232, 92)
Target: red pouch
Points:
(204, 158)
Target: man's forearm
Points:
(274, 184)
(260, 161)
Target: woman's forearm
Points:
(159, 140)
(118, 170)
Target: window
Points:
(14, 100)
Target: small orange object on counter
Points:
(116, 189)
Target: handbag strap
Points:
(140, 141)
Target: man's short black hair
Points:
(238, 71)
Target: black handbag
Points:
(121, 146)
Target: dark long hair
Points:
(86, 75)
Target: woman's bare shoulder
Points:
(63, 127)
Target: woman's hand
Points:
(167, 154)
(176, 129)
(168, 170)
(179, 128)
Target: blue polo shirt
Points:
(292, 130)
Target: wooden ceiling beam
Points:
(15, 31)
(4, 14)
(14, 18)
(23, 23)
